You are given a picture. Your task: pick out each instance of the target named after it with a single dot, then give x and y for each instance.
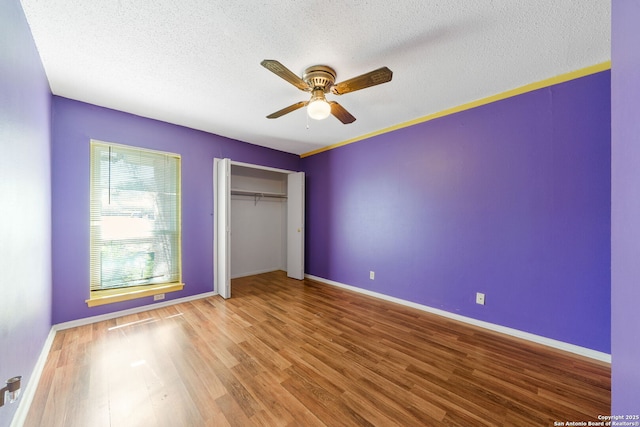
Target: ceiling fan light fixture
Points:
(318, 108)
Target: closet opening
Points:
(258, 222)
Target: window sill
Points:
(125, 294)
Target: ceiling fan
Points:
(320, 79)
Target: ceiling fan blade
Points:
(287, 110)
(372, 78)
(341, 114)
(285, 73)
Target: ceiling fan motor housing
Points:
(319, 77)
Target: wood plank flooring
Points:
(284, 352)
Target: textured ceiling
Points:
(197, 62)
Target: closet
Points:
(258, 222)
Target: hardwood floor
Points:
(283, 352)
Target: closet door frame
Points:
(221, 199)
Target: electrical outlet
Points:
(479, 298)
(158, 297)
(372, 275)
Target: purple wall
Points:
(625, 210)
(511, 199)
(74, 124)
(25, 207)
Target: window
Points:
(135, 223)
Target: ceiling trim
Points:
(498, 97)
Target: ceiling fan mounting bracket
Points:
(319, 77)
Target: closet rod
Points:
(257, 195)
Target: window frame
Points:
(108, 296)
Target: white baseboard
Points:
(29, 390)
(109, 316)
(572, 348)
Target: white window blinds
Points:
(135, 217)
